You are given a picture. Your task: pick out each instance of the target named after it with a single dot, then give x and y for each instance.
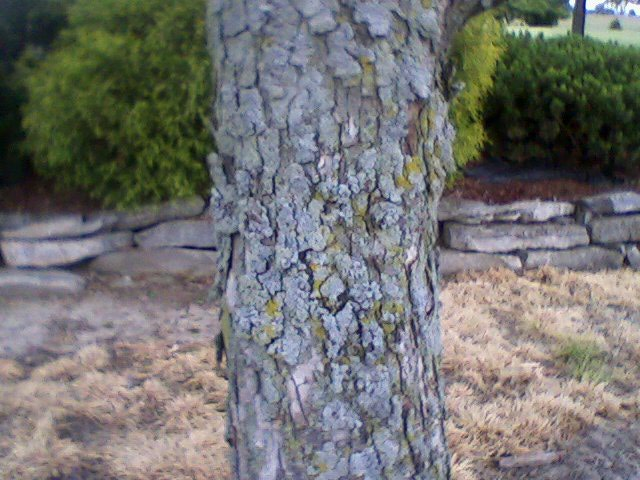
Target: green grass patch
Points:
(584, 359)
(597, 26)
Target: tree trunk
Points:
(333, 141)
(579, 17)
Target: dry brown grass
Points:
(137, 412)
(511, 385)
(148, 411)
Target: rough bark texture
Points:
(579, 17)
(333, 145)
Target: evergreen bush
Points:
(615, 24)
(567, 100)
(120, 108)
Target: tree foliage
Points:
(120, 108)
(568, 99)
(476, 52)
(536, 12)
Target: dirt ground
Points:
(119, 382)
(112, 309)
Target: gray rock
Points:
(154, 214)
(611, 203)
(123, 282)
(510, 237)
(452, 261)
(15, 282)
(50, 253)
(583, 258)
(473, 212)
(618, 229)
(61, 227)
(633, 257)
(173, 261)
(10, 221)
(181, 233)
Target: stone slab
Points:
(66, 226)
(172, 261)
(583, 258)
(16, 282)
(51, 253)
(180, 233)
(154, 214)
(452, 261)
(503, 238)
(474, 212)
(612, 203)
(9, 221)
(618, 229)
(633, 257)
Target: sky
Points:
(591, 4)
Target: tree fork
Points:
(331, 123)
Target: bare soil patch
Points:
(119, 382)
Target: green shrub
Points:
(476, 51)
(120, 108)
(567, 100)
(615, 24)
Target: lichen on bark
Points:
(333, 145)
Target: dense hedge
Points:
(567, 100)
(120, 108)
(475, 53)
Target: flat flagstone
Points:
(618, 229)
(50, 253)
(66, 226)
(154, 214)
(180, 233)
(17, 282)
(529, 211)
(583, 258)
(502, 238)
(172, 261)
(453, 261)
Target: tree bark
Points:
(331, 123)
(579, 17)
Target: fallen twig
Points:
(533, 459)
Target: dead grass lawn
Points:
(531, 361)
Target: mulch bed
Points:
(38, 196)
(514, 190)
